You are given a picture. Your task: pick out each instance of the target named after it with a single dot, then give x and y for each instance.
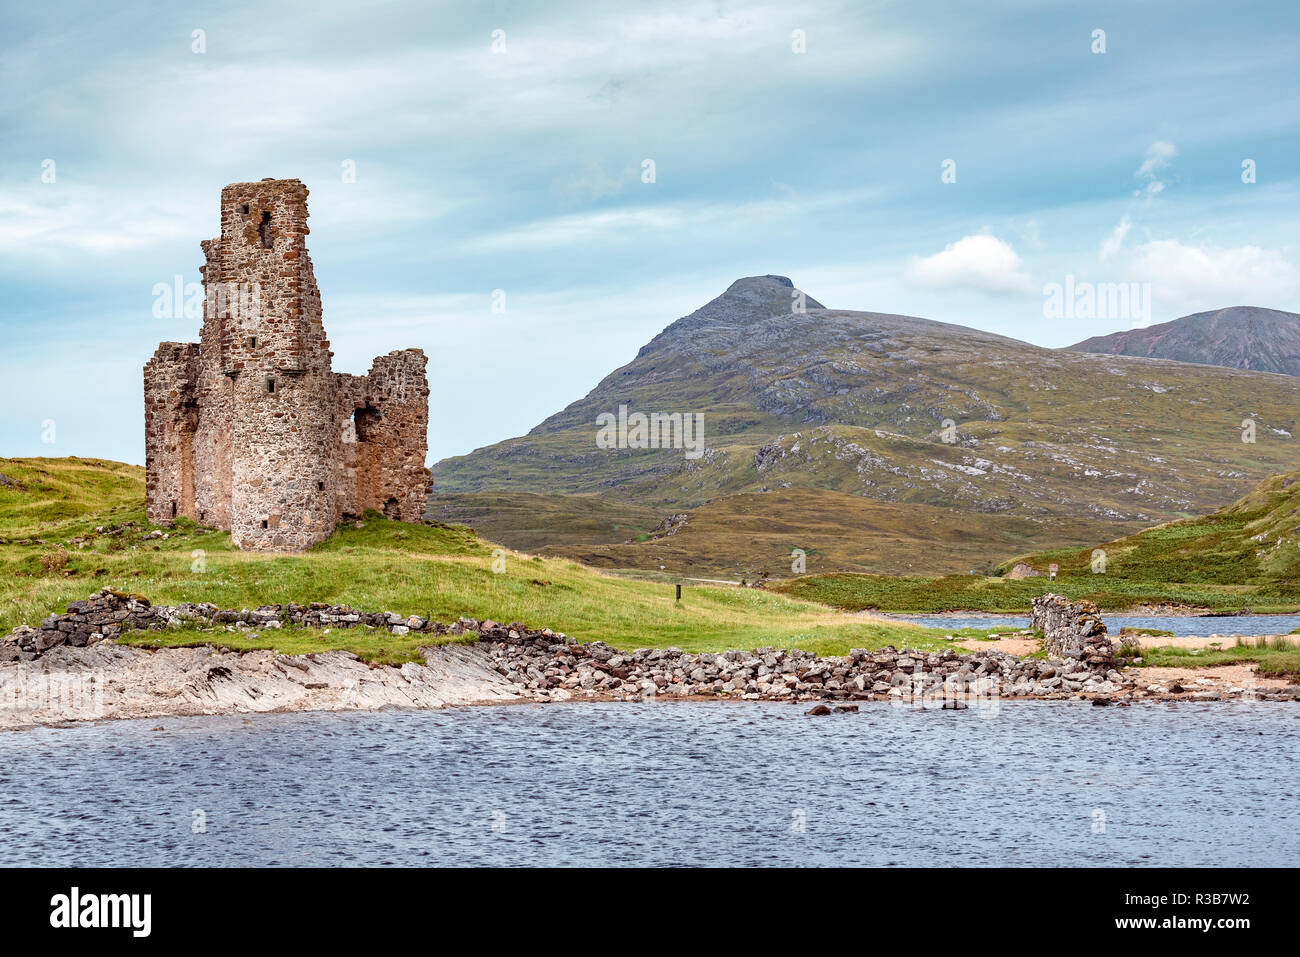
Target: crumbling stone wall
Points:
(170, 422)
(247, 430)
(390, 431)
(1073, 630)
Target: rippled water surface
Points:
(1184, 626)
(664, 783)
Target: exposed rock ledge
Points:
(70, 670)
(107, 680)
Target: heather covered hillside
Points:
(1253, 541)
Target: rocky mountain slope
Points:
(907, 411)
(1239, 337)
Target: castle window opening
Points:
(270, 385)
(320, 486)
(363, 421)
(252, 342)
(173, 508)
(244, 209)
(264, 523)
(264, 231)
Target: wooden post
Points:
(679, 591)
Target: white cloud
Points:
(53, 219)
(592, 182)
(718, 219)
(975, 262)
(1205, 277)
(582, 228)
(1160, 155)
(1115, 241)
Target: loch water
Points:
(664, 783)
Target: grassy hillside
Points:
(1244, 555)
(752, 535)
(854, 403)
(69, 527)
(529, 520)
(45, 492)
(1253, 541)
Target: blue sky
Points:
(520, 169)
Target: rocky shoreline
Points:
(69, 669)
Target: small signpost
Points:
(1051, 571)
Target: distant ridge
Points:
(871, 442)
(1238, 337)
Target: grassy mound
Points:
(1275, 657)
(69, 527)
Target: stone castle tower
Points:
(249, 430)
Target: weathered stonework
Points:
(250, 430)
(1073, 630)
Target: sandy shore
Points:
(1217, 680)
(1160, 681)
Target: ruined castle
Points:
(249, 430)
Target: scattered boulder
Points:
(1023, 570)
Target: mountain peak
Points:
(758, 283)
(762, 291)
(1238, 337)
(747, 300)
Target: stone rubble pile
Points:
(548, 668)
(109, 613)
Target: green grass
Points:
(750, 534)
(367, 644)
(1276, 657)
(51, 554)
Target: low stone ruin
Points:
(109, 613)
(545, 665)
(1073, 631)
(548, 665)
(103, 615)
(551, 670)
